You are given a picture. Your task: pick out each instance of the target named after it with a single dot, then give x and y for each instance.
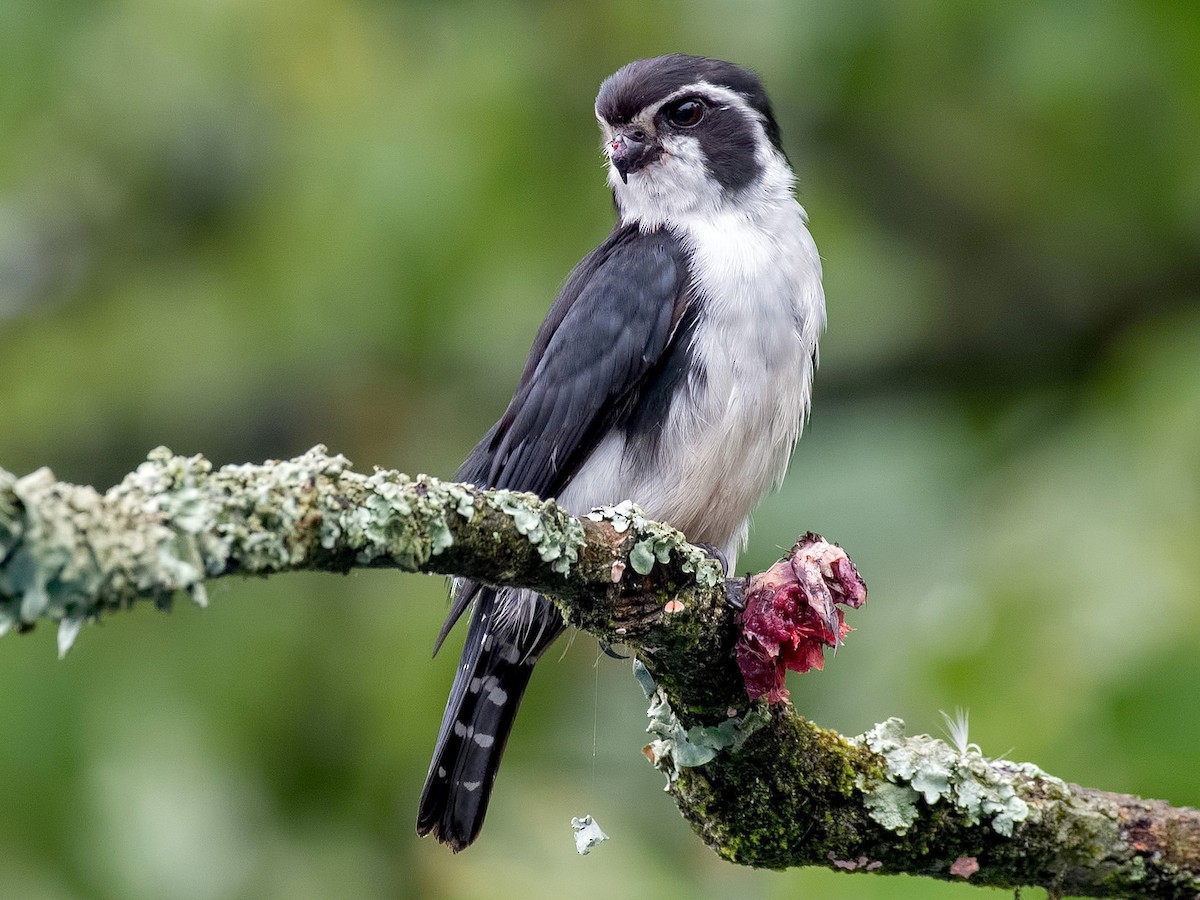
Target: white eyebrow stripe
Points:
(705, 89)
(709, 91)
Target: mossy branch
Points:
(760, 784)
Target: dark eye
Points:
(686, 114)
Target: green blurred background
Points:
(242, 227)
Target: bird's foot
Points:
(735, 588)
(735, 592)
(714, 552)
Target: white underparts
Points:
(756, 277)
(727, 440)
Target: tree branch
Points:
(759, 783)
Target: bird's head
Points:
(686, 135)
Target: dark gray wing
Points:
(606, 348)
(603, 354)
(595, 355)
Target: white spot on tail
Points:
(510, 654)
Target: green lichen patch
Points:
(557, 544)
(464, 500)
(922, 767)
(674, 747)
(894, 806)
(266, 518)
(657, 543)
(79, 552)
(69, 553)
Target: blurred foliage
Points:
(241, 228)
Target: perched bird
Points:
(673, 369)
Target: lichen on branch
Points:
(71, 554)
(763, 786)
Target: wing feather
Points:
(611, 324)
(595, 355)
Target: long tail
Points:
(498, 657)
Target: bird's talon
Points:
(716, 553)
(735, 592)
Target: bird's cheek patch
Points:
(791, 614)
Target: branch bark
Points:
(759, 783)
